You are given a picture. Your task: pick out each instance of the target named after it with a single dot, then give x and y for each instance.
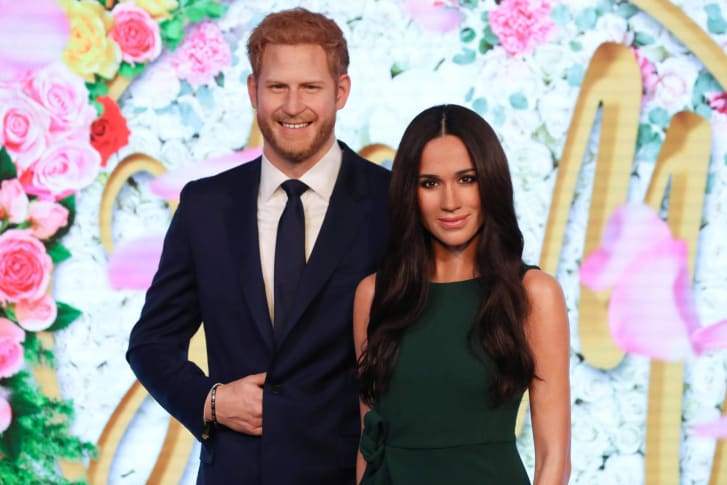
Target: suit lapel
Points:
(340, 226)
(242, 232)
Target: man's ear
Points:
(252, 90)
(343, 89)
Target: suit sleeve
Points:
(159, 342)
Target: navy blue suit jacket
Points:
(210, 272)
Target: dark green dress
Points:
(435, 424)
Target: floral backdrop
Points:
(519, 63)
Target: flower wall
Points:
(519, 63)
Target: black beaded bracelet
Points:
(213, 397)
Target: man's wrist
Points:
(210, 404)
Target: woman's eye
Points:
(468, 179)
(428, 184)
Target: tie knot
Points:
(294, 188)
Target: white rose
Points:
(174, 153)
(556, 109)
(629, 438)
(696, 459)
(673, 90)
(591, 384)
(614, 28)
(157, 86)
(589, 440)
(632, 406)
(626, 469)
(529, 162)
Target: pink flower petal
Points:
(631, 230)
(433, 17)
(651, 304)
(6, 414)
(712, 337)
(133, 264)
(170, 184)
(34, 33)
(10, 330)
(712, 429)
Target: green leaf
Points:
(575, 46)
(7, 167)
(705, 84)
(172, 32)
(97, 88)
(196, 13)
(216, 10)
(467, 34)
(560, 15)
(470, 93)
(490, 36)
(574, 75)
(470, 4)
(395, 70)
(484, 46)
(659, 117)
(586, 20)
(715, 21)
(466, 56)
(480, 105)
(627, 10)
(66, 316)
(131, 70)
(647, 135)
(58, 252)
(641, 39)
(518, 101)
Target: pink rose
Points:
(6, 414)
(25, 267)
(718, 102)
(202, 55)
(64, 95)
(136, 33)
(649, 77)
(36, 315)
(13, 201)
(66, 167)
(23, 127)
(520, 25)
(46, 218)
(11, 350)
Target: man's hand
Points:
(239, 404)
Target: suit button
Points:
(276, 389)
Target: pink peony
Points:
(11, 349)
(520, 25)
(66, 167)
(64, 95)
(23, 127)
(13, 201)
(46, 218)
(6, 414)
(25, 267)
(202, 55)
(718, 102)
(36, 315)
(136, 33)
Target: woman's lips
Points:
(453, 222)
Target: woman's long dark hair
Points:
(402, 282)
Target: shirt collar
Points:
(321, 177)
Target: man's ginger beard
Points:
(291, 154)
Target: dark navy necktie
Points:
(289, 252)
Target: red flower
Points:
(109, 132)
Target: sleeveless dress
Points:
(436, 423)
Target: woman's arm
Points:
(547, 331)
(361, 309)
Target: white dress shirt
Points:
(320, 179)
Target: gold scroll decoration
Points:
(613, 82)
(683, 159)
